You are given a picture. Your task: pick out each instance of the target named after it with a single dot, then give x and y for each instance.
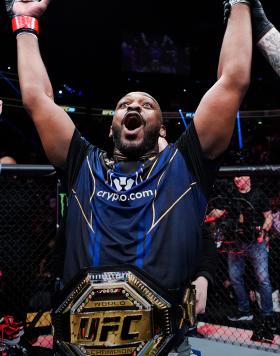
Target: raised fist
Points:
(261, 25)
(33, 8)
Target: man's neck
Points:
(119, 157)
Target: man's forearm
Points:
(236, 53)
(269, 45)
(33, 76)
(267, 223)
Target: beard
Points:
(136, 150)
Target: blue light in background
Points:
(183, 118)
(239, 131)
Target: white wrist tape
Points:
(234, 2)
(26, 34)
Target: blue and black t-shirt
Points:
(147, 213)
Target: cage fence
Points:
(27, 232)
(247, 272)
(243, 214)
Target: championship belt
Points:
(119, 311)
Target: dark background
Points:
(81, 46)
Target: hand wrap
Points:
(22, 23)
(25, 24)
(261, 25)
(234, 2)
(229, 3)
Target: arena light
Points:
(183, 118)
(70, 109)
(189, 115)
(108, 112)
(69, 89)
(239, 131)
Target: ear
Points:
(111, 132)
(162, 131)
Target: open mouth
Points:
(133, 121)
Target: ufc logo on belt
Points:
(107, 328)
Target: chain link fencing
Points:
(243, 219)
(27, 234)
(28, 221)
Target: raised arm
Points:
(269, 45)
(215, 116)
(266, 36)
(54, 126)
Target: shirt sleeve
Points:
(78, 150)
(67, 175)
(203, 169)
